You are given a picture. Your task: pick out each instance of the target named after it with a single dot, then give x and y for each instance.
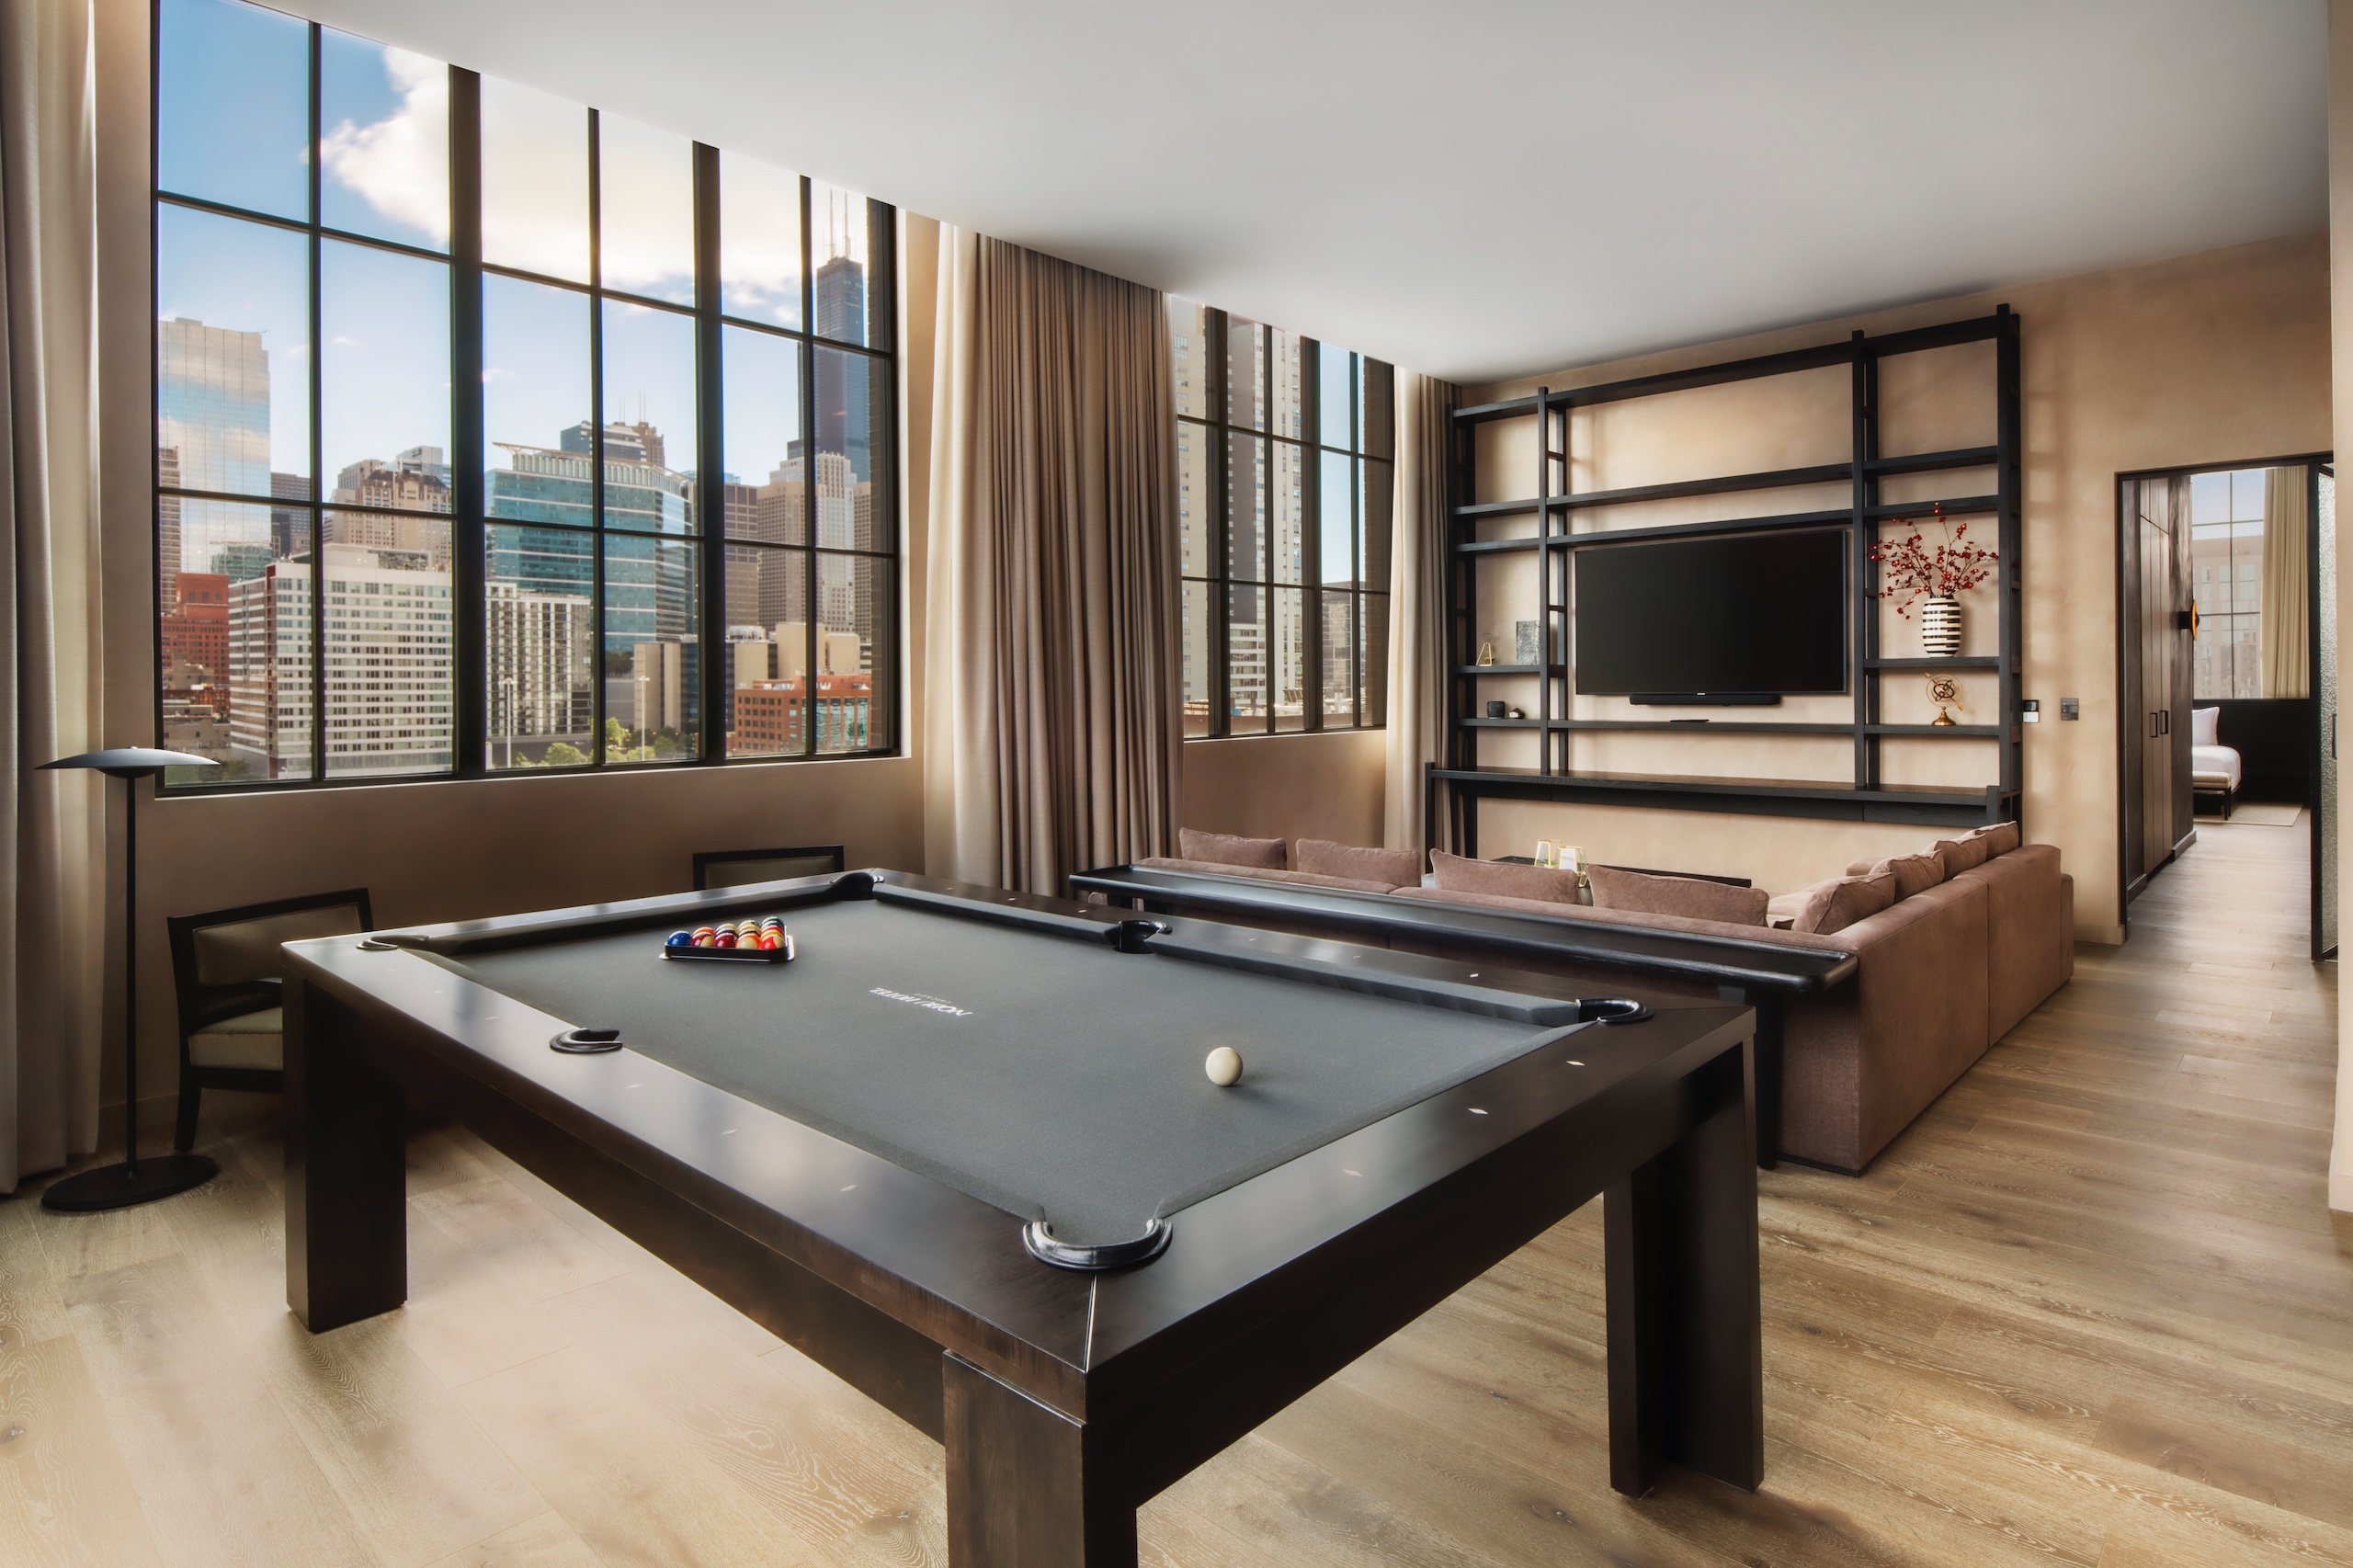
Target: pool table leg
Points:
(1687, 1371)
(1028, 1487)
(1768, 1070)
(346, 1171)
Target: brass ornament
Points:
(1945, 691)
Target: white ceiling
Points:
(1483, 189)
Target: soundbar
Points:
(1706, 699)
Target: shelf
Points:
(1498, 669)
(1914, 803)
(1910, 341)
(1931, 462)
(1743, 727)
(1971, 662)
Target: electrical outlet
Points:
(2071, 707)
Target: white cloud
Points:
(401, 164)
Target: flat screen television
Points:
(1742, 617)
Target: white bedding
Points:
(2215, 759)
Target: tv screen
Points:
(1746, 614)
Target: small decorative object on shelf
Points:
(1494, 709)
(1944, 692)
(1519, 712)
(1525, 649)
(1486, 654)
(1940, 626)
(1937, 575)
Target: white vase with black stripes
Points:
(1940, 626)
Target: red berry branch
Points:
(1953, 567)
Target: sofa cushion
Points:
(1913, 873)
(1688, 896)
(1589, 916)
(1262, 874)
(1999, 838)
(1390, 868)
(1963, 854)
(1227, 850)
(1455, 874)
(1831, 906)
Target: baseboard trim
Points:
(2341, 1191)
(2101, 936)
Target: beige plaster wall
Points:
(2221, 357)
(1321, 786)
(449, 850)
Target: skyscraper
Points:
(211, 433)
(844, 417)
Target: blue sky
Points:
(234, 113)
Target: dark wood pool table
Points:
(891, 1150)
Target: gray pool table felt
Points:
(1065, 1084)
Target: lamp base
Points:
(120, 1186)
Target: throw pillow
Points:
(1913, 873)
(1832, 906)
(1455, 874)
(2205, 723)
(1687, 896)
(1999, 838)
(1390, 868)
(1963, 854)
(1267, 853)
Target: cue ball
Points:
(1224, 1066)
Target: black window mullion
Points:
(318, 462)
(808, 477)
(469, 535)
(1311, 523)
(710, 482)
(597, 608)
(1219, 441)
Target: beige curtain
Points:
(2287, 583)
(49, 993)
(1052, 736)
(1418, 610)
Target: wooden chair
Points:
(734, 867)
(227, 973)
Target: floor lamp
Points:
(135, 1180)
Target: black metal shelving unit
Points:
(1865, 797)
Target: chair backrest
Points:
(735, 868)
(230, 948)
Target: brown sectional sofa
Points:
(1939, 977)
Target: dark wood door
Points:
(2157, 837)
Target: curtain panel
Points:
(1417, 611)
(2287, 583)
(1052, 738)
(51, 827)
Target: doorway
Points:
(2225, 661)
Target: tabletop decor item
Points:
(1486, 654)
(1944, 691)
(1939, 575)
(1526, 647)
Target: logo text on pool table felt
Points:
(933, 1002)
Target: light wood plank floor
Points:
(2091, 1310)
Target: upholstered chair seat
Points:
(250, 1040)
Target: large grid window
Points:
(1284, 446)
(494, 432)
(2226, 528)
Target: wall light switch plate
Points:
(2070, 708)
(2030, 711)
